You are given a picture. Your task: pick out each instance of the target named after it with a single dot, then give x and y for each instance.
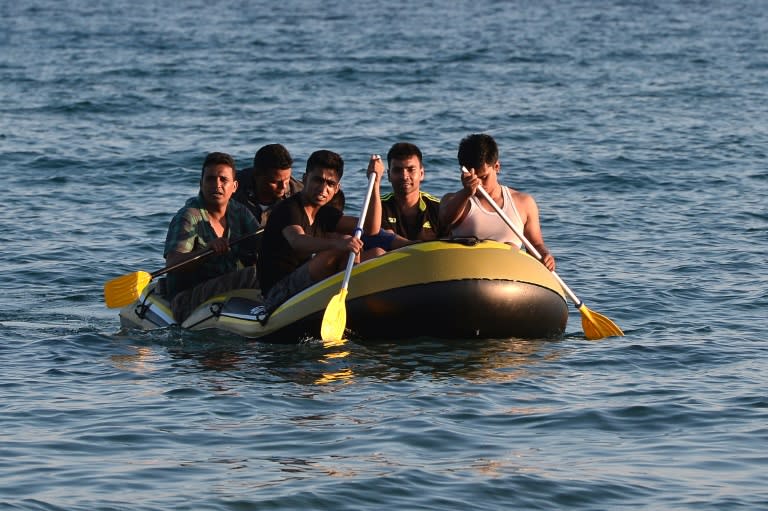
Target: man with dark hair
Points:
(408, 214)
(468, 214)
(307, 239)
(209, 221)
(268, 182)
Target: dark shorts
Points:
(382, 240)
(188, 300)
(291, 284)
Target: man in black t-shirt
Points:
(307, 239)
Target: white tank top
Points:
(487, 225)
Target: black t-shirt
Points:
(276, 257)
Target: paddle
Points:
(595, 325)
(125, 289)
(335, 316)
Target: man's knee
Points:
(325, 264)
(373, 252)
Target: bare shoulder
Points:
(523, 201)
(447, 196)
(519, 196)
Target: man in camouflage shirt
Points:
(210, 221)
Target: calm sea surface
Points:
(640, 127)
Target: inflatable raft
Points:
(455, 289)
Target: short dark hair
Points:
(271, 157)
(325, 159)
(478, 149)
(217, 158)
(402, 150)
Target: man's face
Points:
(273, 186)
(487, 174)
(405, 175)
(218, 184)
(320, 185)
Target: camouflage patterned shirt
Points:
(190, 230)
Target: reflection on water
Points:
(335, 352)
(479, 361)
(342, 375)
(313, 362)
(138, 362)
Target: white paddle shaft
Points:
(359, 229)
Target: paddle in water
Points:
(335, 316)
(595, 325)
(126, 289)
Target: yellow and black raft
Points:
(455, 289)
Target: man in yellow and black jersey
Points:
(409, 215)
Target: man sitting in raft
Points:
(307, 239)
(268, 182)
(408, 214)
(210, 221)
(469, 215)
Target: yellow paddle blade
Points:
(125, 289)
(335, 318)
(596, 326)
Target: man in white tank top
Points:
(469, 214)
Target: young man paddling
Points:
(210, 221)
(307, 239)
(468, 214)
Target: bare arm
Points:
(219, 246)
(305, 244)
(372, 223)
(455, 206)
(529, 211)
(399, 241)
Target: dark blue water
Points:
(640, 128)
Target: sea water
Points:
(640, 129)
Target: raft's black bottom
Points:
(499, 310)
